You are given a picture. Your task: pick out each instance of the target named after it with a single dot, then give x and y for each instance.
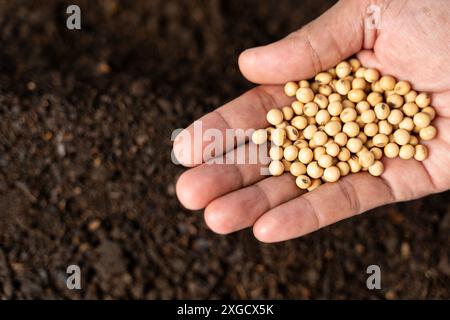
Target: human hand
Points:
(412, 44)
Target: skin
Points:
(412, 44)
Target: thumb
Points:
(319, 45)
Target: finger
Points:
(321, 44)
(327, 204)
(197, 187)
(246, 112)
(240, 209)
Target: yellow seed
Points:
(297, 106)
(259, 136)
(334, 97)
(344, 154)
(325, 161)
(421, 152)
(309, 131)
(343, 69)
(343, 86)
(366, 159)
(331, 174)
(354, 145)
(355, 64)
(305, 95)
(297, 168)
(406, 152)
(395, 100)
(413, 140)
(348, 115)
(276, 168)
(305, 155)
(303, 84)
(341, 139)
(430, 111)
(321, 101)
(278, 137)
(351, 129)
(303, 181)
(320, 138)
(368, 116)
(314, 170)
(421, 120)
(286, 164)
(411, 96)
(362, 106)
(282, 125)
(401, 137)
(276, 153)
(376, 169)
(292, 133)
(323, 78)
(332, 128)
(322, 117)
(275, 116)
(374, 98)
(375, 87)
(290, 88)
(377, 152)
(360, 72)
(299, 122)
(402, 87)
(371, 129)
(391, 150)
(344, 168)
(333, 149)
(356, 95)
(319, 151)
(395, 117)
(288, 113)
(353, 162)
(385, 127)
(359, 83)
(311, 109)
(348, 104)
(382, 110)
(325, 89)
(371, 75)
(387, 83)
(335, 108)
(286, 143)
(423, 100)
(380, 140)
(410, 109)
(300, 144)
(407, 124)
(290, 153)
(427, 133)
(314, 184)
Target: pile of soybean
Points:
(344, 121)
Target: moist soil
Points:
(86, 176)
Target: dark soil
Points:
(86, 177)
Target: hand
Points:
(413, 44)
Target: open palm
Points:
(412, 44)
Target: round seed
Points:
(401, 137)
(359, 83)
(314, 184)
(413, 140)
(380, 140)
(344, 168)
(320, 138)
(410, 109)
(421, 119)
(290, 153)
(362, 106)
(387, 83)
(354, 145)
(407, 124)
(353, 162)
(276, 153)
(325, 89)
(276, 168)
(297, 168)
(343, 86)
(288, 113)
(391, 150)
(290, 88)
(282, 125)
(376, 169)
(351, 129)
(427, 133)
(385, 127)
(368, 116)
(402, 87)
(421, 152)
(314, 170)
(411, 96)
(335, 108)
(303, 181)
(356, 95)
(286, 164)
(343, 69)
(382, 110)
(331, 174)
(300, 143)
(348, 115)
(303, 84)
(275, 116)
(332, 128)
(371, 75)
(341, 139)
(325, 161)
(323, 78)
(395, 100)
(430, 111)
(322, 117)
(371, 129)
(297, 106)
(292, 133)
(319, 151)
(366, 159)
(278, 137)
(355, 64)
(305, 95)
(333, 149)
(377, 152)
(259, 136)
(344, 154)
(423, 100)
(299, 122)
(407, 152)
(321, 101)
(305, 155)
(309, 131)
(310, 109)
(395, 117)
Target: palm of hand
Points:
(275, 208)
